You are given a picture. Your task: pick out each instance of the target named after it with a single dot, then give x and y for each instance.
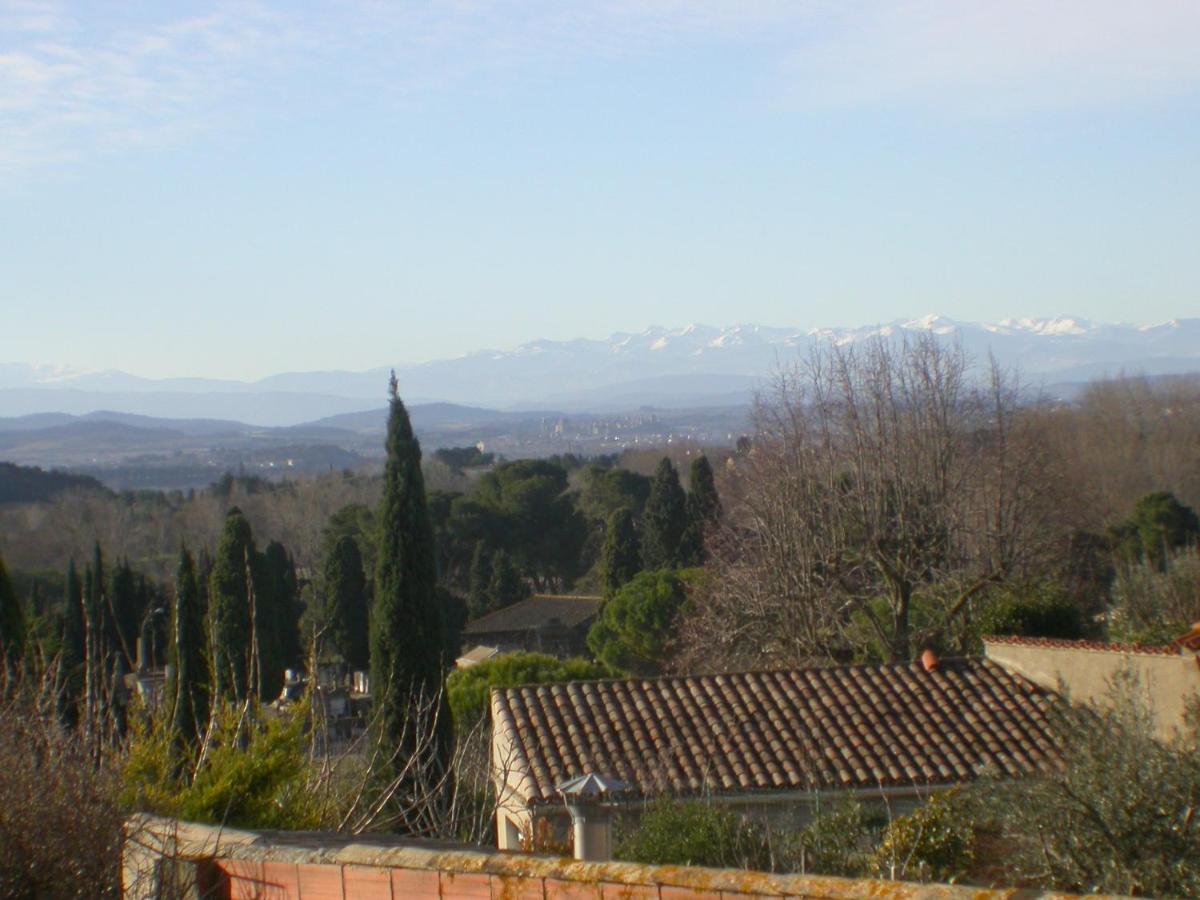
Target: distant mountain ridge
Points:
(696, 365)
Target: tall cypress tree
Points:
(703, 509)
(229, 607)
(125, 607)
(664, 519)
(621, 557)
(346, 602)
(74, 650)
(12, 623)
(285, 591)
(407, 628)
(480, 584)
(188, 684)
(268, 585)
(98, 655)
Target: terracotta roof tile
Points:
(852, 726)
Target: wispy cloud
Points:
(1006, 56)
(79, 80)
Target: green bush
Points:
(470, 688)
(934, 842)
(255, 773)
(694, 833)
(1034, 611)
(838, 841)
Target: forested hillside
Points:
(30, 484)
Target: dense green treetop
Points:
(1159, 524)
(605, 490)
(621, 558)
(634, 630)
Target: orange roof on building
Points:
(793, 730)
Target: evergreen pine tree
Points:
(506, 586)
(664, 519)
(621, 557)
(187, 686)
(229, 608)
(480, 584)
(407, 628)
(12, 623)
(346, 602)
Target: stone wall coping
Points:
(192, 841)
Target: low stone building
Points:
(557, 625)
(771, 742)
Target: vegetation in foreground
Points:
(914, 509)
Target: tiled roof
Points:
(1102, 646)
(794, 730)
(535, 612)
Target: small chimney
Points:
(591, 817)
(929, 659)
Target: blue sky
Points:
(233, 190)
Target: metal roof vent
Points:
(591, 817)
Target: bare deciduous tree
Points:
(887, 487)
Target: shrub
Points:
(1035, 611)
(1119, 816)
(255, 773)
(694, 833)
(934, 842)
(837, 841)
(60, 823)
(1155, 602)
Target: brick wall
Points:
(165, 858)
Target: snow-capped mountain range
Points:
(697, 365)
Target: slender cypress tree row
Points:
(229, 606)
(664, 519)
(621, 557)
(188, 683)
(346, 602)
(407, 629)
